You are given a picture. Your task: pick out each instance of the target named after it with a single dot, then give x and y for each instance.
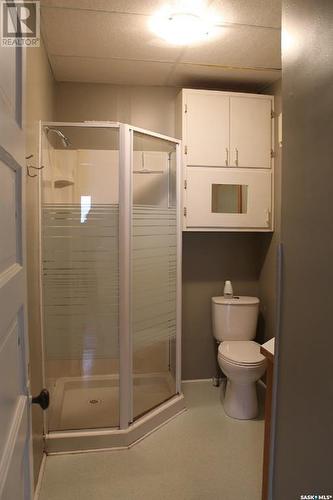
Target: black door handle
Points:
(43, 399)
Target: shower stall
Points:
(110, 282)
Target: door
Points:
(207, 129)
(15, 421)
(228, 198)
(250, 132)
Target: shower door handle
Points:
(43, 399)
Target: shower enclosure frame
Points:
(129, 430)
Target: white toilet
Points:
(239, 357)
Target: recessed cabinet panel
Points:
(250, 132)
(228, 198)
(207, 129)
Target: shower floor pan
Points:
(84, 411)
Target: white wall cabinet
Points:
(227, 129)
(228, 160)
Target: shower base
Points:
(93, 401)
(84, 412)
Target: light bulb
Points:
(182, 27)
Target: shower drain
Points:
(94, 401)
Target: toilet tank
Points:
(236, 318)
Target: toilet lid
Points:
(241, 352)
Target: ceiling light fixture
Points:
(182, 27)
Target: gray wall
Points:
(208, 258)
(304, 432)
(249, 260)
(147, 107)
(267, 279)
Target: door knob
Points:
(43, 399)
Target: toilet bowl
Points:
(239, 357)
(243, 365)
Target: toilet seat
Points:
(241, 353)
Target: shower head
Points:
(65, 141)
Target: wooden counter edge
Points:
(268, 411)
(267, 354)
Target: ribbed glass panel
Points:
(154, 271)
(154, 254)
(80, 280)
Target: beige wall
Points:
(40, 101)
(267, 279)
(147, 107)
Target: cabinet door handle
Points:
(268, 216)
(226, 157)
(236, 161)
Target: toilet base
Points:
(241, 400)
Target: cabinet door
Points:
(250, 132)
(207, 129)
(228, 198)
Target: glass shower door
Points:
(80, 275)
(154, 272)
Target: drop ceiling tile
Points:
(118, 72)
(95, 33)
(89, 34)
(257, 12)
(238, 46)
(260, 12)
(188, 75)
(146, 7)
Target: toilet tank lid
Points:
(236, 300)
